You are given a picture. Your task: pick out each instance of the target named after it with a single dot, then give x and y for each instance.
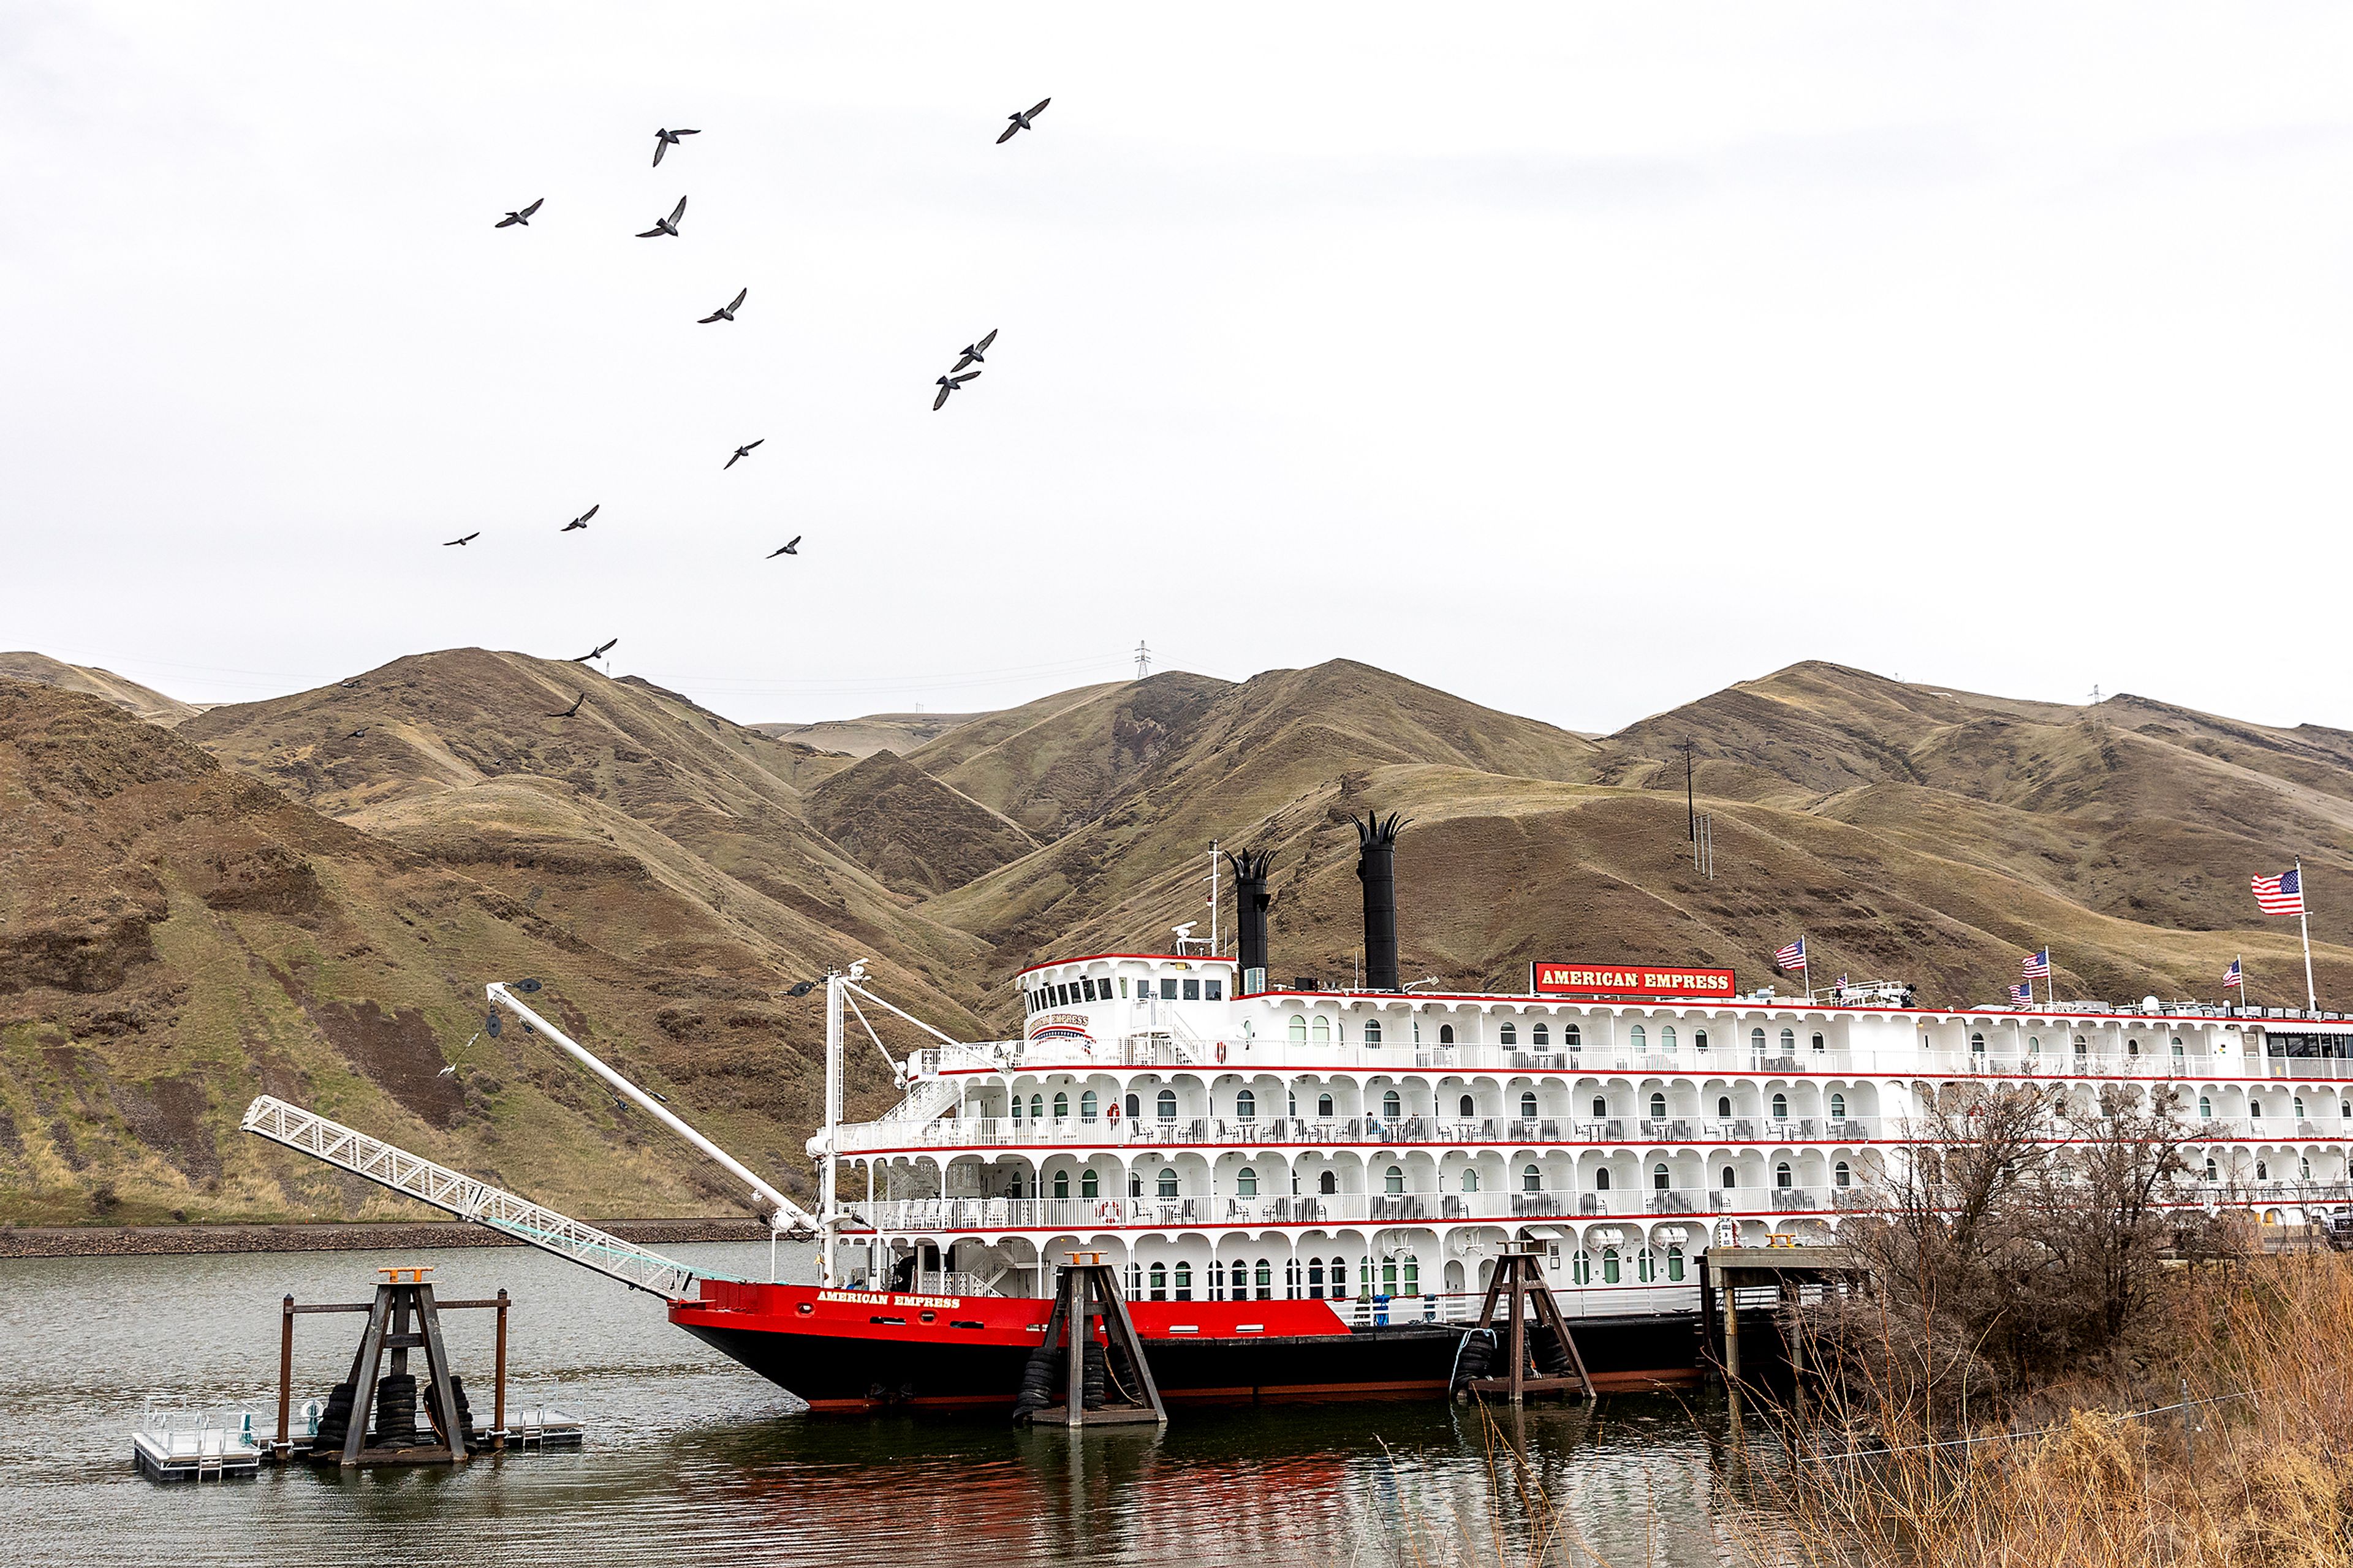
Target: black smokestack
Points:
(1377, 868)
(1252, 899)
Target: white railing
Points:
(927, 1215)
(412, 1176)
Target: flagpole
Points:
(2303, 923)
(1807, 954)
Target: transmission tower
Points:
(1143, 660)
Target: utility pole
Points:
(1691, 804)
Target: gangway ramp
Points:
(413, 1175)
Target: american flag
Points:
(2021, 993)
(1792, 956)
(2281, 895)
(2232, 976)
(2037, 967)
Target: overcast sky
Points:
(1576, 359)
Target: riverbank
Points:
(150, 1240)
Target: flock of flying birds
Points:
(972, 354)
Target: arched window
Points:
(2082, 1047)
(1184, 1281)
(1788, 1042)
(1392, 1105)
(1659, 1178)
(1600, 1108)
(1445, 1034)
(1134, 1107)
(1601, 1180)
(1838, 1108)
(2304, 1166)
(1674, 1263)
(1339, 1279)
(1062, 1183)
(1757, 1041)
(2254, 1108)
(1160, 1281)
(1636, 1038)
(1061, 1107)
(2210, 1173)
(1470, 1180)
(1528, 1105)
(1540, 1037)
(1315, 1280)
(1036, 1108)
(1265, 1280)
(1393, 1180)
(1667, 1039)
(1581, 1267)
(1290, 1103)
(1166, 1186)
(1372, 1031)
(1724, 1105)
(1245, 1106)
(1087, 1105)
(2205, 1108)
(1508, 1035)
(2132, 1048)
(1166, 1103)
(2177, 1046)
(1657, 1107)
(1976, 1044)
(1646, 1265)
(1780, 1108)
(1328, 1182)
(1320, 1030)
(1531, 1179)
(2262, 1171)
(1820, 1044)
(1570, 1036)
(1246, 1182)
(1842, 1175)
(1731, 1178)
(2033, 1045)
(1699, 1043)
(1469, 1108)
(2299, 1108)
(1781, 1174)
(1323, 1107)
(1610, 1270)
(1298, 1029)
(1016, 1108)
(1134, 1184)
(1135, 1281)
(1090, 1186)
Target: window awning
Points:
(2302, 1027)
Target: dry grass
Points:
(2265, 1479)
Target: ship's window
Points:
(1087, 988)
(2177, 1047)
(1216, 1279)
(1724, 1105)
(1781, 1174)
(2254, 1108)
(1135, 1183)
(1601, 1180)
(1508, 1035)
(1016, 1108)
(1213, 990)
(1160, 1281)
(2345, 1108)
(1469, 1107)
(2205, 1108)
(1675, 1264)
(1730, 1177)
(1168, 989)
(1265, 1280)
(1339, 1279)
(2033, 1045)
(1531, 1179)
(1657, 1107)
(1062, 1183)
(1166, 1105)
(1167, 1185)
(2082, 1048)
(1069, 994)
(1392, 1107)
(1570, 1036)
(2132, 1048)
(2303, 1165)
(1013, 1188)
(1298, 1029)
(1183, 1282)
(1090, 1185)
(1315, 1280)
(1290, 1102)
(1087, 1104)
(1581, 1267)
(1699, 1039)
(1412, 1274)
(1659, 1178)
(1539, 1036)
(1600, 1108)
(1135, 1107)
(1636, 1038)
(2299, 1108)
(2210, 1173)
(1246, 1182)
(1667, 1039)
(1393, 1180)
(1646, 1265)
(1838, 1108)
(1788, 1042)
(1757, 1041)
(2262, 1171)
(1445, 1034)
(1324, 1106)
(1036, 1108)
(1328, 1182)
(1192, 990)
(1319, 1029)
(1245, 1106)
(1842, 1175)
(1818, 1042)
(1609, 1265)
(1470, 1180)
(1780, 1108)
(1372, 1031)
(1062, 1107)
(1122, 987)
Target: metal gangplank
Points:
(414, 1176)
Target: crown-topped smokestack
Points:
(1252, 868)
(1376, 869)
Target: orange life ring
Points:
(1221, 1050)
(1113, 1111)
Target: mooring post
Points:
(1793, 1302)
(499, 1395)
(1518, 1292)
(285, 1373)
(1074, 1289)
(1731, 1345)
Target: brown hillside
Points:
(901, 733)
(138, 700)
(915, 832)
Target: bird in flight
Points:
(726, 312)
(666, 140)
(582, 521)
(468, 540)
(568, 713)
(740, 453)
(523, 217)
(597, 652)
(1022, 119)
(794, 548)
(948, 383)
(668, 226)
(976, 353)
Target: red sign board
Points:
(1638, 979)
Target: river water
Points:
(690, 1460)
